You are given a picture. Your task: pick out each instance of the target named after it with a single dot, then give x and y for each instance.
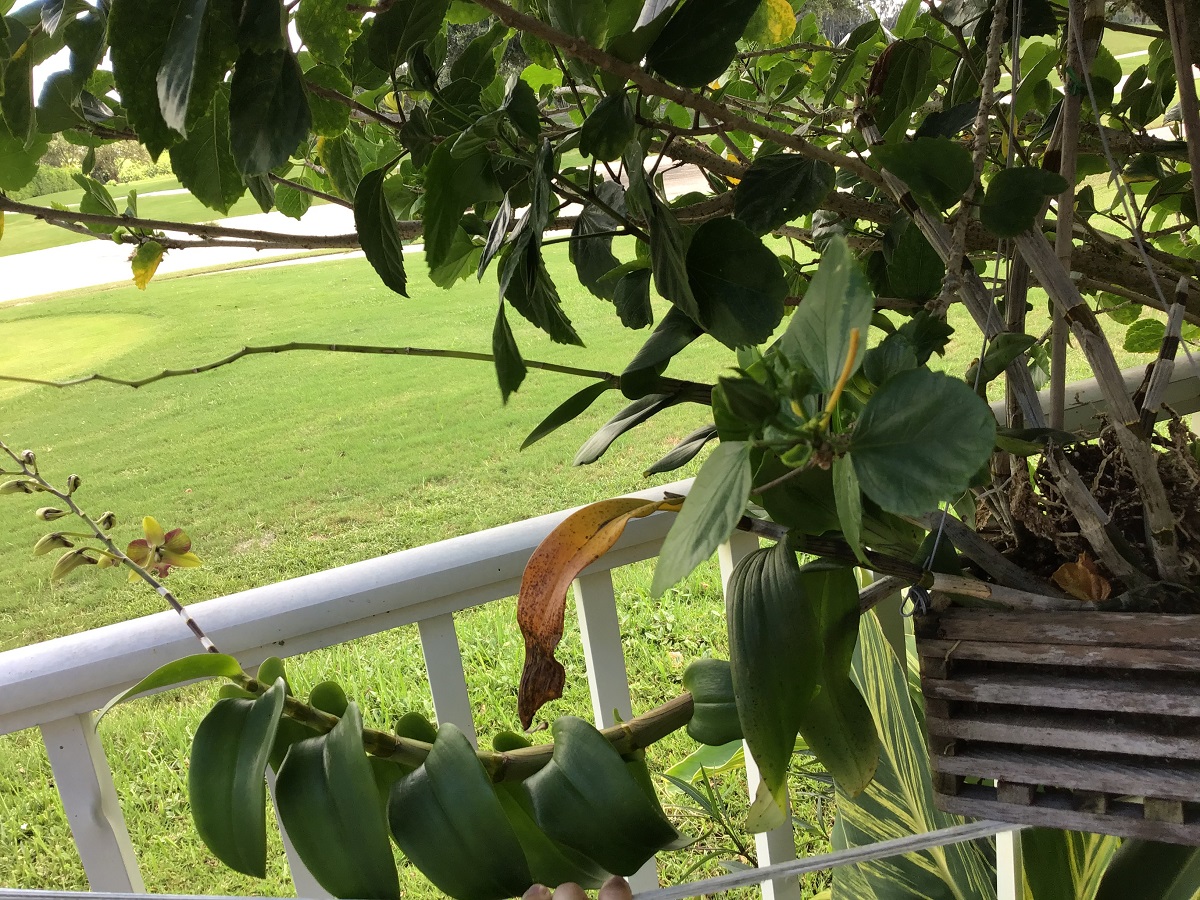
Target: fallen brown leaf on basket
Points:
(1082, 579)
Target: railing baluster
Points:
(608, 679)
(596, 605)
(89, 798)
(447, 681)
(1010, 872)
(778, 845)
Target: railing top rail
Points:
(81, 672)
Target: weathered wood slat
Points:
(1046, 731)
(1107, 694)
(1113, 629)
(1055, 811)
(1164, 780)
(1138, 658)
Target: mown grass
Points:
(280, 466)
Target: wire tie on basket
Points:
(949, 653)
(916, 603)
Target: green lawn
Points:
(21, 234)
(279, 466)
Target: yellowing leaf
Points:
(1082, 579)
(145, 262)
(772, 23)
(730, 178)
(581, 539)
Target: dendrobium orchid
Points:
(159, 551)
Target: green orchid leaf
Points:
(448, 820)
(179, 671)
(329, 803)
(226, 778)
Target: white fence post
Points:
(302, 879)
(447, 681)
(89, 798)
(596, 604)
(778, 845)
(608, 679)
(1010, 872)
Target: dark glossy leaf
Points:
(328, 802)
(774, 655)
(715, 503)
(914, 270)
(849, 503)
(668, 257)
(903, 88)
(477, 62)
(497, 232)
(451, 186)
(226, 775)
(401, 27)
(268, 110)
(609, 127)
(179, 671)
(737, 283)
(203, 162)
(837, 302)
(262, 190)
(174, 79)
(591, 247)
(837, 724)
(567, 411)
(262, 26)
(780, 188)
(87, 37)
(1002, 350)
(683, 452)
(630, 417)
(949, 122)
(460, 262)
(936, 170)
(549, 861)
(339, 157)
(1151, 871)
(447, 819)
(676, 331)
(58, 106)
(521, 107)
(19, 162)
(920, 440)
(377, 231)
(1015, 197)
(510, 368)
(587, 798)
(715, 717)
(700, 40)
(138, 31)
(531, 291)
(327, 29)
(580, 18)
(632, 299)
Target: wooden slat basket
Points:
(1078, 720)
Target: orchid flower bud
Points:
(52, 541)
(50, 513)
(73, 482)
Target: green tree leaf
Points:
(700, 40)
(848, 497)
(780, 188)
(268, 110)
(591, 247)
(451, 185)
(510, 368)
(908, 64)
(377, 231)
(567, 411)
(328, 29)
(339, 156)
(936, 169)
(329, 117)
(1144, 336)
(293, 202)
(632, 299)
(226, 783)
(774, 655)
(174, 79)
(609, 127)
(203, 161)
(838, 300)
(448, 821)
(1015, 197)
(714, 506)
(138, 31)
(401, 27)
(737, 283)
(588, 799)
(580, 18)
(920, 440)
(328, 802)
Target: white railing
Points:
(58, 685)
